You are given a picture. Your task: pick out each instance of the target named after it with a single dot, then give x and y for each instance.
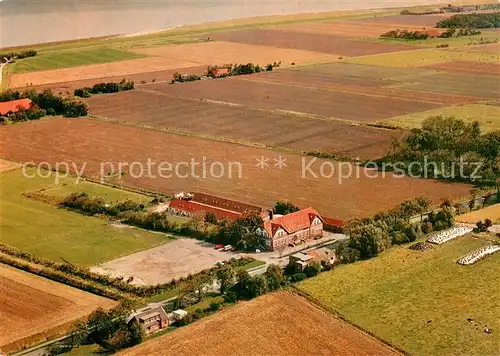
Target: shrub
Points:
(214, 306)
(298, 277)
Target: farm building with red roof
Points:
(189, 207)
(15, 106)
(300, 226)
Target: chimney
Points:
(271, 214)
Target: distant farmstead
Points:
(293, 228)
(14, 106)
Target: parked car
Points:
(257, 251)
(219, 247)
(227, 248)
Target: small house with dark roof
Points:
(151, 320)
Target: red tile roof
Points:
(333, 222)
(14, 105)
(292, 222)
(226, 204)
(193, 207)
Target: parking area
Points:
(161, 264)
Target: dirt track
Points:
(36, 308)
(275, 324)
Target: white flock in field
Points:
(448, 235)
(476, 255)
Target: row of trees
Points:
(448, 148)
(105, 88)
(422, 35)
(49, 102)
(243, 232)
(452, 32)
(406, 35)
(482, 20)
(18, 55)
(371, 236)
(229, 70)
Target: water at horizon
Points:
(24, 22)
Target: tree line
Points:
(242, 233)
(18, 55)
(483, 20)
(423, 35)
(231, 70)
(448, 148)
(370, 236)
(45, 103)
(105, 88)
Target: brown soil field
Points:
(274, 324)
(400, 21)
(491, 212)
(485, 48)
(363, 71)
(285, 97)
(479, 86)
(307, 41)
(35, 308)
(351, 28)
(243, 124)
(356, 84)
(220, 52)
(114, 69)
(6, 166)
(336, 189)
(468, 67)
(157, 76)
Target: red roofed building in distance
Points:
(300, 226)
(15, 106)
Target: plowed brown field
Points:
(275, 324)
(403, 20)
(351, 28)
(220, 52)
(302, 99)
(34, 308)
(468, 67)
(243, 124)
(345, 192)
(314, 42)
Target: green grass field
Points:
(487, 115)
(55, 233)
(109, 194)
(419, 301)
(67, 59)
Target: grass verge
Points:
(68, 59)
